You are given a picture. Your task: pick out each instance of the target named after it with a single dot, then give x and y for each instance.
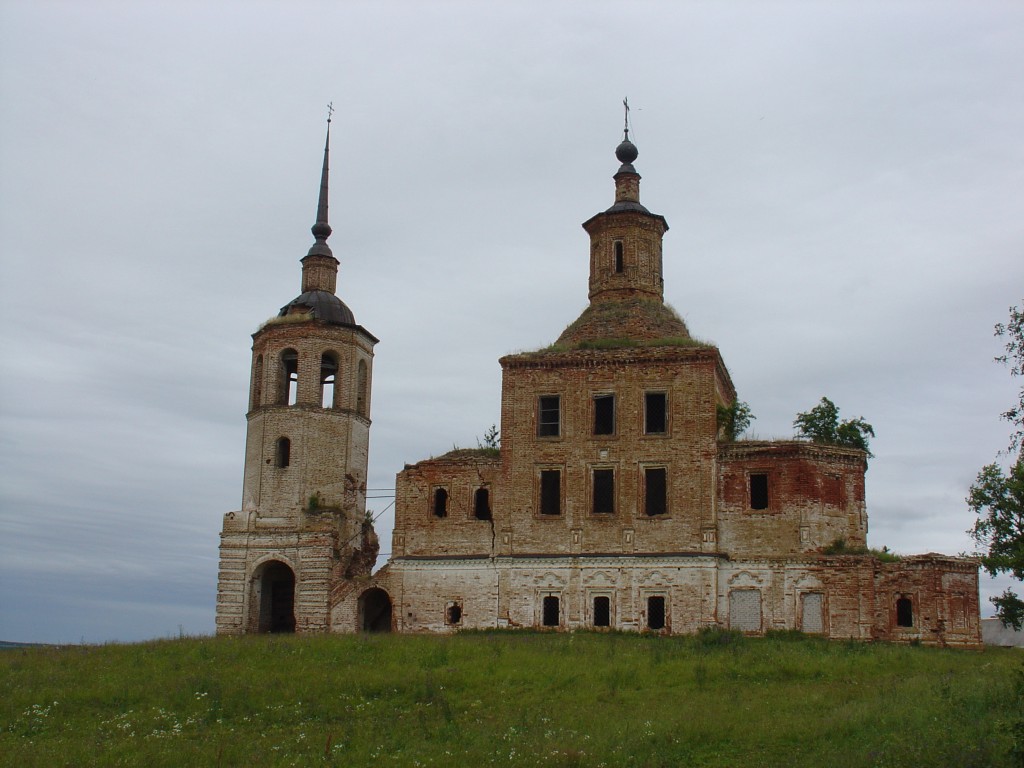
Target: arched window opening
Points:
(550, 611)
(257, 383)
(482, 504)
(440, 502)
(284, 452)
(361, 376)
(328, 379)
(904, 612)
(375, 611)
(275, 595)
(618, 257)
(289, 377)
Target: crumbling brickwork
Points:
(614, 501)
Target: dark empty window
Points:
(759, 491)
(549, 416)
(602, 612)
(654, 491)
(655, 413)
(656, 612)
(328, 379)
(440, 502)
(551, 492)
(904, 612)
(289, 377)
(604, 492)
(604, 415)
(618, 256)
(550, 618)
(482, 504)
(454, 614)
(284, 452)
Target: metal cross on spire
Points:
(330, 111)
(625, 105)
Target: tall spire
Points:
(321, 229)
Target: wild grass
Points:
(582, 699)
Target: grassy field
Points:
(510, 699)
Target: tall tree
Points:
(821, 425)
(997, 497)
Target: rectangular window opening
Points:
(550, 617)
(551, 492)
(618, 256)
(440, 502)
(656, 612)
(604, 492)
(655, 413)
(654, 491)
(604, 415)
(549, 414)
(482, 504)
(602, 611)
(759, 491)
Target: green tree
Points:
(734, 419)
(997, 497)
(821, 425)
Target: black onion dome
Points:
(323, 305)
(626, 152)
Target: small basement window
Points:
(604, 492)
(551, 492)
(655, 491)
(453, 615)
(440, 502)
(604, 415)
(759, 491)
(656, 612)
(602, 611)
(550, 611)
(904, 612)
(549, 416)
(482, 504)
(655, 413)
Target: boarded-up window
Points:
(745, 610)
(656, 612)
(604, 492)
(811, 619)
(759, 491)
(602, 611)
(655, 413)
(361, 389)
(654, 491)
(550, 611)
(549, 416)
(551, 492)
(604, 415)
(257, 383)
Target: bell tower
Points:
(302, 529)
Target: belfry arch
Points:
(374, 611)
(272, 606)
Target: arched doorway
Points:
(275, 595)
(375, 611)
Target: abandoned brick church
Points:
(615, 501)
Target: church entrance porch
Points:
(375, 611)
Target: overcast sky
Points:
(844, 183)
